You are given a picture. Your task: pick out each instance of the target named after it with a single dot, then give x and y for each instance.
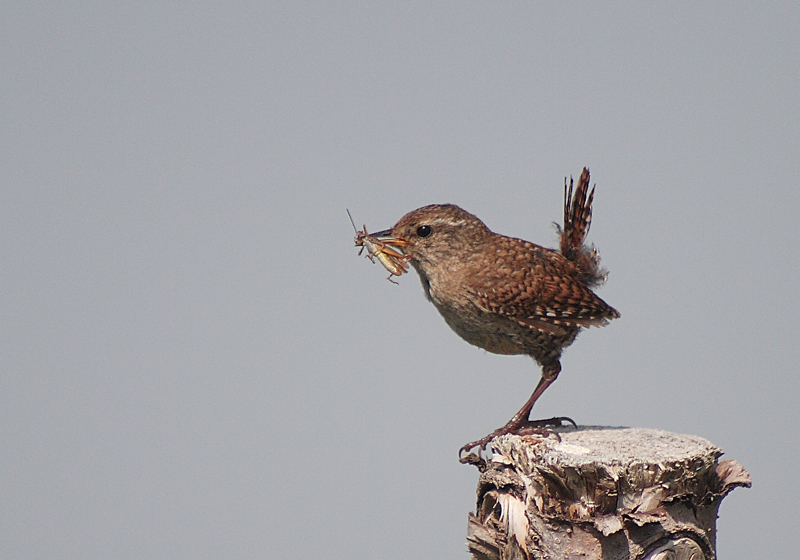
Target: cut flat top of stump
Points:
(604, 446)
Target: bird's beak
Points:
(387, 237)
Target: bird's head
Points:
(438, 234)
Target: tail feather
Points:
(577, 219)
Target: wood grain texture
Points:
(604, 493)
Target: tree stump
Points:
(604, 493)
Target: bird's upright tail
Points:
(577, 219)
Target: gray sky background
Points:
(196, 364)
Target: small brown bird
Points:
(507, 295)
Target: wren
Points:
(507, 295)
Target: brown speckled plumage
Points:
(507, 295)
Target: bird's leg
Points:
(520, 424)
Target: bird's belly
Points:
(501, 335)
(490, 332)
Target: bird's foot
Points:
(542, 427)
(523, 428)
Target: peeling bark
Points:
(600, 493)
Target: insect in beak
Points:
(380, 246)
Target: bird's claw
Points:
(525, 428)
(554, 422)
(472, 459)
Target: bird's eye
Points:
(424, 231)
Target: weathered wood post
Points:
(600, 493)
